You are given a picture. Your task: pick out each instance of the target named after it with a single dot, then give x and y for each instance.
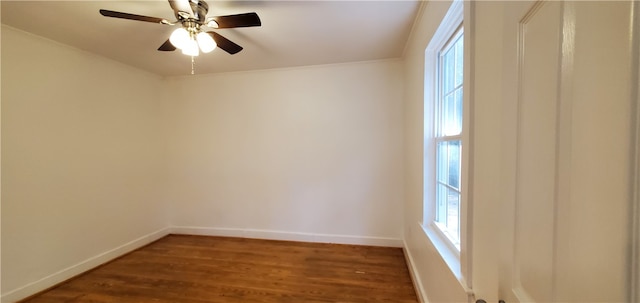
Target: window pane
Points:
(448, 163)
(448, 70)
(441, 204)
(453, 213)
(442, 162)
(458, 111)
(453, 169)
(445, 115)
(451, 115)
(459, 60)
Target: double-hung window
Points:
(448, 137)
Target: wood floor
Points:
(180, 268)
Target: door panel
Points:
(566, 168)
(592, 240)
(538, 69)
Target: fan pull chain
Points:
(193, 65)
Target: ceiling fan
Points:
(191, 36)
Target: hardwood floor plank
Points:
(199, 269)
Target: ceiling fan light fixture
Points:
(191, 48)
(207, 44)
(180, 38)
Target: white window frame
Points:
(456, 258)
(439, 137)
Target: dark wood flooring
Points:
(199, 269)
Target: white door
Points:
(568, 151)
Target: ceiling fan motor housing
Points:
(199, 9)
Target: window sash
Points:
(448, 191)
(448, 128)
(442, 91)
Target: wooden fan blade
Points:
(239, 20)
(225, 44)
(167, 46)
(114, 14)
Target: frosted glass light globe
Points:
(191, 48)
(179, 38)
(206, 42)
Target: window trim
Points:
(456, 260)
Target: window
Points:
(445, 140)
(448, 137)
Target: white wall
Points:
(97, 154)
(311, 153)
(81, 155)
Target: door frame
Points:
(634, 275)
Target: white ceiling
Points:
(293, 33)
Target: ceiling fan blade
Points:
(239, 20)
(167, 46)
(225, 44)
(108, 13)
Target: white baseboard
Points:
(286, 236)
(86, 265)
(413, 272)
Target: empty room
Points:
(320, 151)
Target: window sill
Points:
(447, 251)
(448, 238)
